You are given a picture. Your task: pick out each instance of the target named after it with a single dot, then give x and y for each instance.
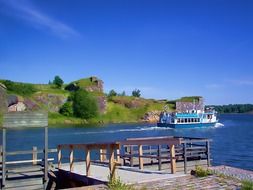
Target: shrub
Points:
(117, 184)
(72, 87)
(201, 172)
(247, 185)
(112, 93)
(58, 81)
(136, 93)
(22, 89)
(84, 105)
(66, 109)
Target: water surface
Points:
(232, 143)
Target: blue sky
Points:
(167, 49)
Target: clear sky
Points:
(167, 49)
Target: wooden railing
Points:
(34, 156)
(152, 142)
(111, 148)
(166, 149)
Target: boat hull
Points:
(184, 125)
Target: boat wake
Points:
(217, 125)
(124, 130)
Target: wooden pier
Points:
(146, 156)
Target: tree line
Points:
(233, 108)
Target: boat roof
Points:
(187, 115)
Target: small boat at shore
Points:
(189, 119)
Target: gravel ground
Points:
(212, 182)
(233, 172)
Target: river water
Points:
(232, 139)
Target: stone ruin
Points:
(186, 106)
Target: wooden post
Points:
(1, 153)
(3, 158)
(102, 153)
(185, 159)
(71, 159)
(34, 155)
(87, 161)
(159, 157)
(131, 156)
(172, 159)
(112, 166)
(118, 155)
(208, 153)
(45, 180)
(140, 157)
(59, 157)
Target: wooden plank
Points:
(112, 166)
(118, 155)
(26, 161)
(140, 157)
(185, 159)
(167, 141)
(45, 178)
(34, 155)
(88, 163)
(3, 158)
(59, 154)
(102, 155)
(25, 119)
(90, 146)
(159, 158)
(71, 159)
(208, 153)
(149, 138)
(131, 159)
(172, 159)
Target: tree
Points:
(112, 93)
(58, 81)
(136, 93)
(123, 94)
(66, 109)
(84, 105)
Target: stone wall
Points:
(152, 116)
(3, 99)
(184, 106)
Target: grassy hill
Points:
(49, 98)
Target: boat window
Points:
(182, 120)
(192, 120)
(185, 120)
(178, 120)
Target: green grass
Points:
(84, 82)
(116, 113)
(189, 98)
(56, 118)
(247, 185)
(117, 184)
(201, 172)
(51, 89)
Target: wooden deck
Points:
(135, 160)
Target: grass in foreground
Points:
(202, 172)
(117, 184)
(247, 185)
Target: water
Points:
(232, 139)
